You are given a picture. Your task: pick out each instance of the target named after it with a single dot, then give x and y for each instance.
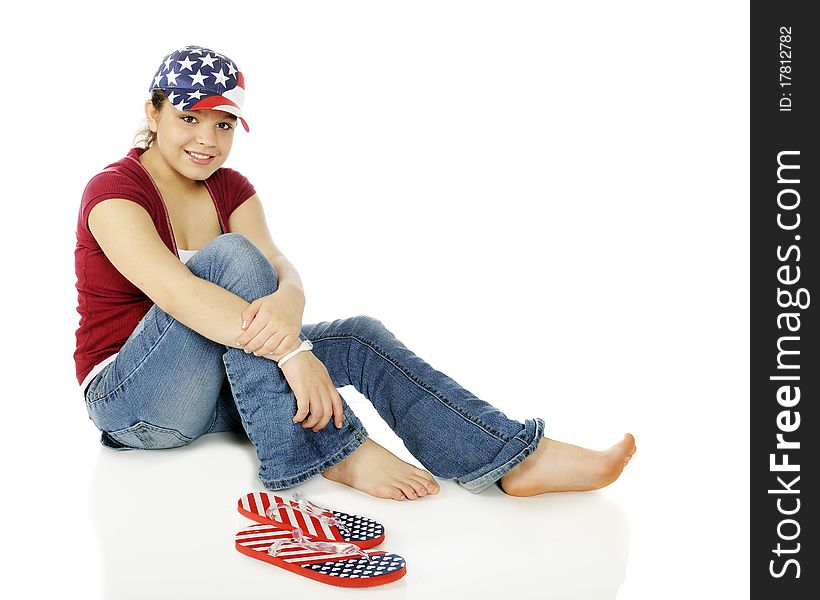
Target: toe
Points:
(408, 490)
(427, 480)
(430, 486)
(419, 487)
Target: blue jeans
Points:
(169, 385)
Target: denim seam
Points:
(145, 425)
(478, 423)
(479, 483)
(238, 400)
(360, 436)
(137, 367)
(216, 416)
(89, 400)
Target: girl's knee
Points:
(229, 258)
(233, 247)
(230, 243)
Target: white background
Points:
(549, 202)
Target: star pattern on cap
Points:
(199, 78)
(172, 77)
(209, 60)
(186, 63)
(196, 73)
(220, 77)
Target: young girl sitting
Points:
(191, 323)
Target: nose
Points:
(205, 137)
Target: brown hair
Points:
(144, 138)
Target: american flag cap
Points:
(197, 78)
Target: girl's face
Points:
(193, 143)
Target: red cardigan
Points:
(110, 306)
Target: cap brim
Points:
(223, 104)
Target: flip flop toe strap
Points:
(307, 507)
(340, 548)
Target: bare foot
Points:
(377, 471)
(559, 467)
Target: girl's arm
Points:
(249, 220)
(210, 310)
(144, 259)
(288, 277)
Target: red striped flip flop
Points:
(316, 522)
(334, 563)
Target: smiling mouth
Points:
(199, 156)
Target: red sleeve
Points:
(237, 189)
(109, 184)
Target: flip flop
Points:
(334, 563)
(316, 522)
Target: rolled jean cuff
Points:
(514, 452)
(357, 438)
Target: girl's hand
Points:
(317, 399)
(272, 324)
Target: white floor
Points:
(152, 545)
(160, 525)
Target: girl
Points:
(191, 323)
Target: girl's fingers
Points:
(259, 340)
(249, 313)
(248, 340)
(280, 343)
(327, 413)
(315, 412)
(272, 344)
(338, 409)
(250, 328)
(301, 411)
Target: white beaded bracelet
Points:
(304, 346)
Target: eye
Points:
(227, 128)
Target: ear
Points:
(152, 115)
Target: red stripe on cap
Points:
(211, 101)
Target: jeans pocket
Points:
(145, 436)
